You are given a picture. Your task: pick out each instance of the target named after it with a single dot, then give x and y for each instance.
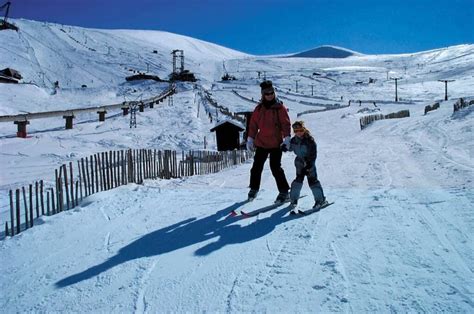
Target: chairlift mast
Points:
(7, 6)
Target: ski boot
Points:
(320, 203)
(252, 195)
(282, 198)
(293, 204)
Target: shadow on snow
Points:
(185, 233)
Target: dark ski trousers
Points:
(261, 155)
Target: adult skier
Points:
(269, 129)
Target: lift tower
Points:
(178, 54)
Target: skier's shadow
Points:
(185, 233)
(236, 233)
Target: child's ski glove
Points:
(285, 146)
(250, 144)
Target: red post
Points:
(21, 131)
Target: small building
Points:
(142, 76)
(9, 75)
(227, 135)
(12, 73)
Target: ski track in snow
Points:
(141, 303)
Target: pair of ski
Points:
(310, 211)
(245, 214)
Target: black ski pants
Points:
(261, 155)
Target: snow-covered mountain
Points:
(326, 52)
(398, 238)
(100, 59)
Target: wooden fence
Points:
(461, 103)
(432, 107)
(105, 171)
(365, 121)
(207, 97)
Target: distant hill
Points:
(326, 52)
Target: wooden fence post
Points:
(18, 220)
(12, 214)
(37, 199)
(139, 165)
(142, 166)
(26, 207)
(89, 185)
(123, 154)
(61, 195)
(83, 178)
(66, 187)
(80, 178)
(96, 173)
(78, 184)
(53, 205)
(111, 165)
(111, 169)
(116, 168)
(47, 203)
(107, 170)
(129, 166)
(42, 197)
(31, 203)
(99, 171)
(71, 175)
(160, 164)
(93, 175)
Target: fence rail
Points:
(107, 170)
(72, 112)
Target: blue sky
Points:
(278, 26)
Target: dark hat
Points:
(298, 125)
(266, 86)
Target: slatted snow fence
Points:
(108, 170)
(366, 120)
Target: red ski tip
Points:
(232, 214)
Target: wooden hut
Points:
(227, 135)
(9, 75)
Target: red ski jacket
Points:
(268, 126)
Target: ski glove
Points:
(285, 146)
(250, 144)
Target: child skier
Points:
(304, 146)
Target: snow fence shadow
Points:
(188, 232)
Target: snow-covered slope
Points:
(100, 59)
(398, 238)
